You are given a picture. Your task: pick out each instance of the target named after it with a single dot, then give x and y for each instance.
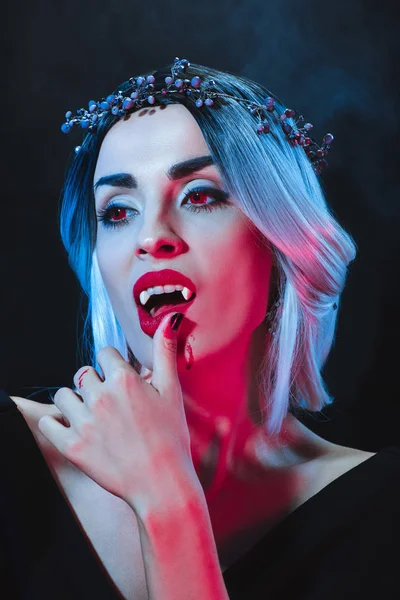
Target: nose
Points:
(157, 238)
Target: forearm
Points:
(179, 552)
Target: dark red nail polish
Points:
(176, 320)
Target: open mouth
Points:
(161, 303)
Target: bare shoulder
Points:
(32, 412)
(338, 461)
(348, 456)
(331, 464)
(31, 409)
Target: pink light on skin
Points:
(223, 337)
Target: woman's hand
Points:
(129, 436)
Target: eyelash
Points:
(220, 198)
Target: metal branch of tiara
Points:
(142, 93)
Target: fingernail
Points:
(176, 320)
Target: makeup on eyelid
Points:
(219, 201)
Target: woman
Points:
(202, 484)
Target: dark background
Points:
(335, 62)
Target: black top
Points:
(343, 543)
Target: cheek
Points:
(113, 252)
(255, 260)
(113, 266)
(241, 249)
(238, 259)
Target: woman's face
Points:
(157, 229)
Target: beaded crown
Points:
(142, 92)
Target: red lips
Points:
(148, 323)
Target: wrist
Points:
(175, 491)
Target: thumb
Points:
(164, 352)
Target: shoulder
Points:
(340, 459)
(329, 466)
(32, 412)
(346, 458)
(31, 409)
(22, 403)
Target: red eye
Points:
(199, 197)
(119, 210)
(116, 216)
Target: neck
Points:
(222, 405)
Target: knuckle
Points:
(82, 369)
(86, 429)
(101, 351)
(71, 449)
(60, 392)
(101, 403)
(105, 350)
(122, 375)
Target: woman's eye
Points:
(198, 199)
(113, 216)
(195, 200)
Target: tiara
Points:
(141, 91)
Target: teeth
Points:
(164, 289)
(144, 296)
(186, 293)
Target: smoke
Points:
(336, 64)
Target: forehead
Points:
(150, 137)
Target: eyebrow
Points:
(178, 171)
